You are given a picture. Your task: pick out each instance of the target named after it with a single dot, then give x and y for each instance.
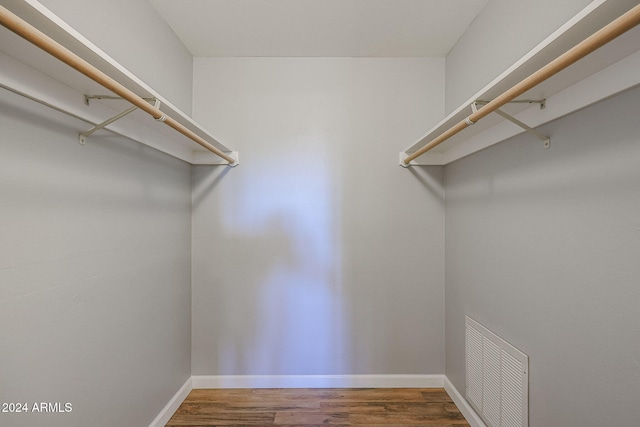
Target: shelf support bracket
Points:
(82, 138)
(529, 129)
(541, 102)
(88, 98)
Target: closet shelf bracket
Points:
(453, 125)
(541, 102)
(88, 98)
(82, 137)
(545, 139)
(121, 82)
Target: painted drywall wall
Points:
(542, 247)
(318, 254)
(132, 32)
(94, 272)
(503, 32)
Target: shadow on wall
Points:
(274, 302)
(431, 179)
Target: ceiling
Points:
(319, 28)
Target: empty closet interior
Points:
(306, 194)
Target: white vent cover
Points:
(497, 378)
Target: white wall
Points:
(503, 32)
(542, 247)
(95, 298)
(318, 254)
(132, 32)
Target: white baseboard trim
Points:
(317, 381)
(167, 412)
(467, 410)
(303, 381)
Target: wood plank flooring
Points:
(398, 407)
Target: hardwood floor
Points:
(430, 407)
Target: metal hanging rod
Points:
(606, 34)
(45, 103)
(46, 43)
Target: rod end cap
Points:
(236, 157)
(402, 163)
